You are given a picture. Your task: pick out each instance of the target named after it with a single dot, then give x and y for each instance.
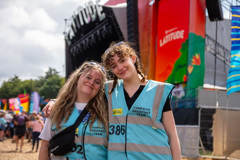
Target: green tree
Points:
(10, 88)
(50, 84)
(47, 86)
(51, 87)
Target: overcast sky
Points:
(31, 38)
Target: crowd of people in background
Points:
(20, 126)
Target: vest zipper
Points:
(126, 136)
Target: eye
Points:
(122, 60)
(113, 66)
(88, 77)
(97, 82)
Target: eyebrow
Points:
(89, 74)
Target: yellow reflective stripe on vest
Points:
(139, 148)
(91, 140)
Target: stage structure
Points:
(89, 32)
(179, 48)
(176, 42)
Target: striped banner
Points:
(233, 81)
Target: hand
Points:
(47, 109)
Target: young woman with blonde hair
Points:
(84, 88)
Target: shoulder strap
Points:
(80, 118)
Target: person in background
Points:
(14, 128)
(9, 118)
(83, 89)
(40, 115)
(141, 123)
(3, 124)
(21, 122)
(37, 126)
(29, 127)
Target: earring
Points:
(134, 57)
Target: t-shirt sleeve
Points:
(47, 132)
(167, 106)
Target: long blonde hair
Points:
(67, 97)
(121, 49)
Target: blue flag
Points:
(233, 81)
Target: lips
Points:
(89, 86)
(123, 72)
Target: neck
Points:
(82, 99)
(134, 81)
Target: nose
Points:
(91, 81)
(119, 66)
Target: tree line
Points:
(47, 86)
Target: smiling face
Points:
(88, 85)
(123, 67)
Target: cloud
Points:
(32, 37)
(40, 20)
(14, 16)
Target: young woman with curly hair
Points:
(141, 123)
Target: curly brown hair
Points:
(121, 49)
(67, 96)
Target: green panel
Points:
(179, 72)
(196, 71)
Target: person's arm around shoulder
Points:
(170, 128)
(43, 153)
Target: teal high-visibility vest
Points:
(89, 143)
(138, 133)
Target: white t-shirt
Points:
(47, 132)
(80, 106)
